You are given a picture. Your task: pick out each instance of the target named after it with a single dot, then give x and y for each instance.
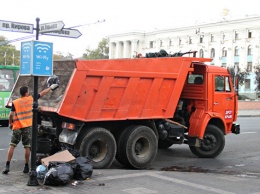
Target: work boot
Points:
(6, 170)
(25, 169)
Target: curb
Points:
(248, 115)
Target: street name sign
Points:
(36, 58)
(65, 32)
(51, 27)
(16, 26)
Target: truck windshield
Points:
(6, 80)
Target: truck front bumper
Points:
(235, 128)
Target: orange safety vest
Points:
(23, 112)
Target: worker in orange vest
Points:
(20, 121)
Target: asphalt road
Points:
(175, 170)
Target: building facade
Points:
(230, 43)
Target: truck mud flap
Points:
(194, 141)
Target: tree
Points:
(8, 53)
(61, 56)
(241, 74)
(99, 53)
(257, 78)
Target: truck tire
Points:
(99, 145)
(137, 147)
(119, 157)
(164, 144)
(212, 145)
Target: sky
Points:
(119, 15)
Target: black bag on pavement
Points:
(84, 168)
(60, 174)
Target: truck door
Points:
(224, 99)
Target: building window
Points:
(247, 84)
(224, 65)
(212, 38)
(212, 53)
(223, 37)
(161, 43)
(249, 35)
(179, 41)
(170, 43)
(190, 40)
(249, 66)
(201, 53)
(249, 50)
(236, 52)
(201, 38)
(236, 36)
(151, 44)
(236, 66)
(224, 52)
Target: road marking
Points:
(124, 176)
(174, 180)
(195, 185)
(234, 179)
(139, 190)
(242, 133)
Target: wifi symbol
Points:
(26, 47)
(42, 47)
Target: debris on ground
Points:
(184, 169)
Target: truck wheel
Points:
(164, 144)
(119, 157)
(99, 145)
(137, 147)
(212, 145)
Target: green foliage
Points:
(101, 52)
(257, 77)
(12, 55)
(241, 74)
(61, 56)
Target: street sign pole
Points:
(33, 174)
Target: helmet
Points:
(53, 80)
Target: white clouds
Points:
(120, 16)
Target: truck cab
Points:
(209, 101)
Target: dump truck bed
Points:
(101, 90)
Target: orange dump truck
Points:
(125, 109)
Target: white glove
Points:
(54, 86)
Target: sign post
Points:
(51, 27)
(16, 26)
(33, 174)
(36, 58)
(39, 63)
(66, 32)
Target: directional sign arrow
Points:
(51, 27)
(16, 26)
(66, 32)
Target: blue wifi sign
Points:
(36, 58)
